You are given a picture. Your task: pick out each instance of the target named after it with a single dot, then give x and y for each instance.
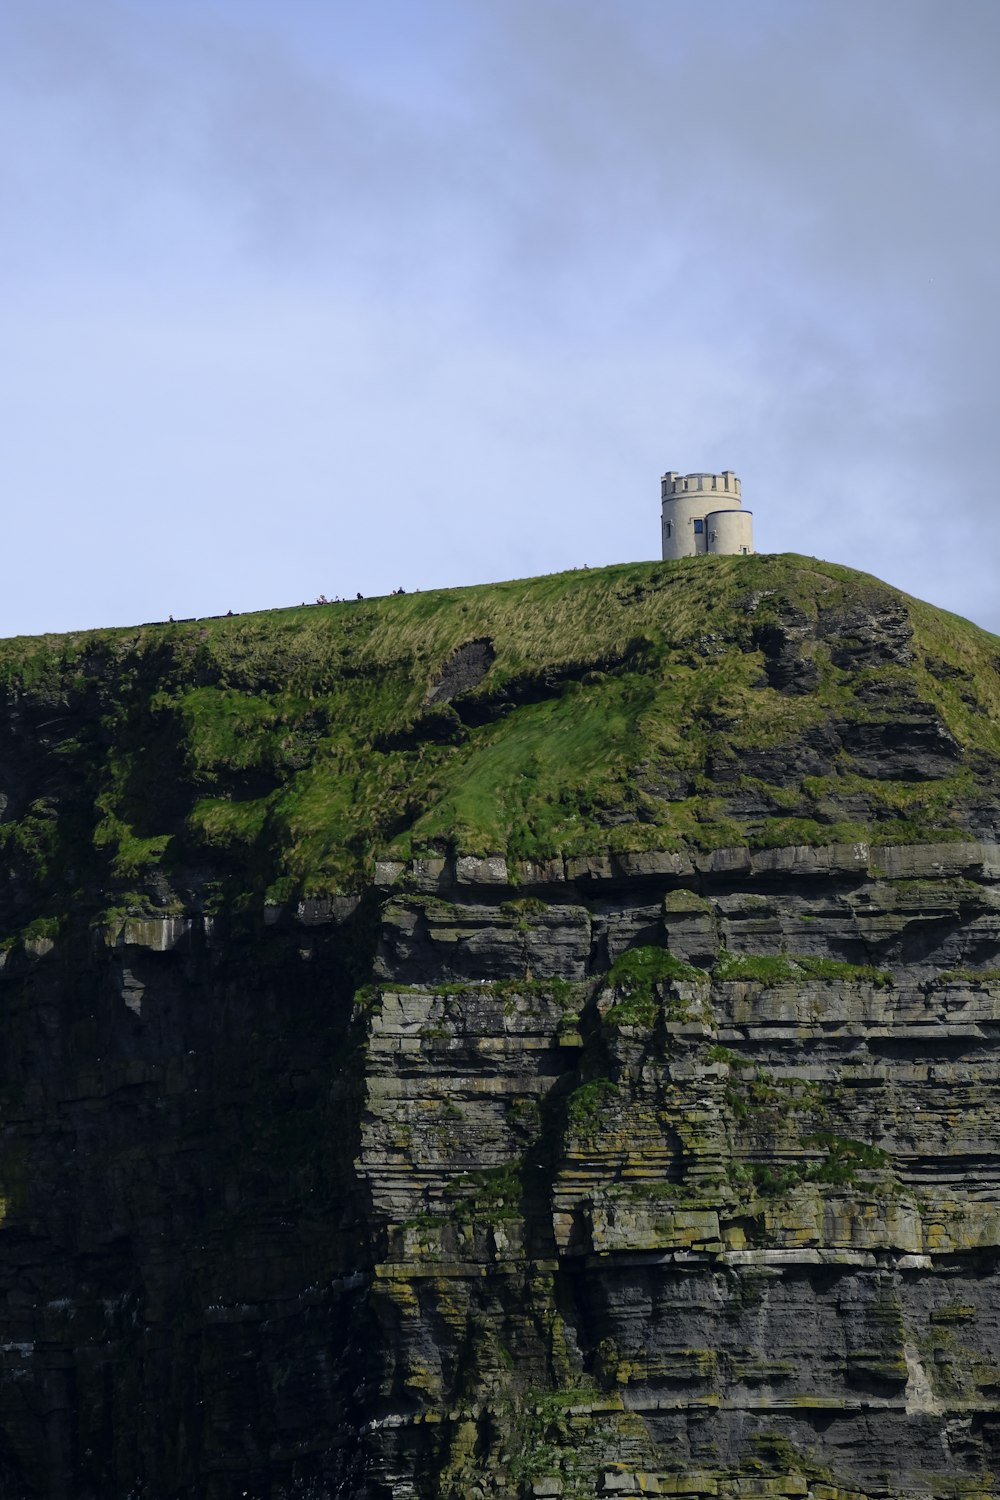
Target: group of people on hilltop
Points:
(322, 599)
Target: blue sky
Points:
(310, 297)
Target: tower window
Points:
(699, 527)
(669, 528)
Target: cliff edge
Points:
(532, 1040)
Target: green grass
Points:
(843, 1164)
(717, 1053)
(636, 976)
(845, 1158)
(637, 970)
(969, 976)
(781, 968)
(587, 1104)
(275, 755)
(492, 1193)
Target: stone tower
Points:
(704, 513)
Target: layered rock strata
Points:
(606, 1183)
(653, 1153)
(689, 1186)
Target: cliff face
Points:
(713, 1191)
(534, 1043)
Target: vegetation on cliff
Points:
(633, 1163)
(716, 701)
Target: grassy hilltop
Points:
(715, 701)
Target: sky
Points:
(304, 297)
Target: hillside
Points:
(535, 1040)
(716, 702)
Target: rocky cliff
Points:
(527, 1041)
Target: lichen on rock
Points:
(526, 1041)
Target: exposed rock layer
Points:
(748, 1225)
(522, 1218)
(585, 1167)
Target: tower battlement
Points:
(725, 484)
(703, 514)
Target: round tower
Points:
(703, 513)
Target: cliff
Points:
(531, 1040)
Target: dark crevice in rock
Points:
(479, 708)
(786, 668)
(464, 669)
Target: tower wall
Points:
(729, 531)
(694, 506)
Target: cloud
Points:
(541, 248)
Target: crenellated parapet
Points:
(725, 484)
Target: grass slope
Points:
(625, 708)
